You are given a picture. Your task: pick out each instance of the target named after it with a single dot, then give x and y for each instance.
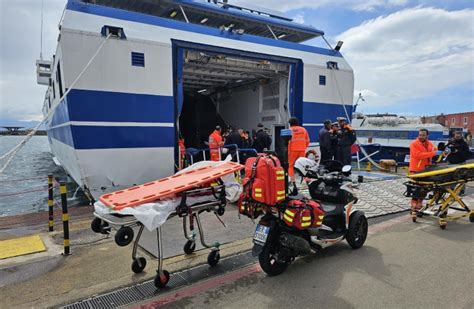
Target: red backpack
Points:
(264, 185)
(264, 180)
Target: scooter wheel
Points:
(189, 247)
(358, 228)
(269, 264)
(471, 217)
(124, 236)
(161, 281)
(443, 227)
(213, 258)
(413, 217)
(138, 265)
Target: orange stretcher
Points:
(167, 187)
(195, 194)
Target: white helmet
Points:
(302, 165)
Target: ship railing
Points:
(195, 155)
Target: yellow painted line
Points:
(21, 246)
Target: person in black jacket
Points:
(459, 149)
(326, 143)
(262, 141)
(346, 137)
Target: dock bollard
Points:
(50, 203)
(65, 218)
(369, 167)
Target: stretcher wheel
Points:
(124, 236)
(162, 281)
(96, 225)
(99, 226)
(189, 247)
(220, 211)
(138, 265)
(442, 224)
(213, 258)
(471, 217)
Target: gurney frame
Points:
(125, 233)
(440, 196)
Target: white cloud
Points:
(358, 5)
(20, 97)
(299, 18)
(411, 54)
(371, 5)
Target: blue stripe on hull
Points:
(105, 106)
(313, 133)
(93, 137)
(60, 115)
(89, 105)
(62, 134)
(97, 137)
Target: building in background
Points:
(464, 121)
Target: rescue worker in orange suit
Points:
(215, 142)
(298, 144)
(421, 152)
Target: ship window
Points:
(332, 65)
(138, 59)
(58, 79)
(322, 80)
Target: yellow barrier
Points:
(50, 203)
(65, 218)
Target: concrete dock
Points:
(97, 265)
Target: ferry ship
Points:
(388, 136)
(131, 77)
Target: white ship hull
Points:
(118, 124)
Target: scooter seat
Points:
(328, 207)
(296, 197)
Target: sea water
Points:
(23, 184)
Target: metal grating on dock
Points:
(147, 289)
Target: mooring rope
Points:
(11, 153)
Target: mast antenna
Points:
(41, 36)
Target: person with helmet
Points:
(346, 137)
(297, 146)
(215, 143)
(326, 141)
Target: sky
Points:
(412, 57)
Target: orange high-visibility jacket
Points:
(215, 141)
(300, 139)
(420, 155)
